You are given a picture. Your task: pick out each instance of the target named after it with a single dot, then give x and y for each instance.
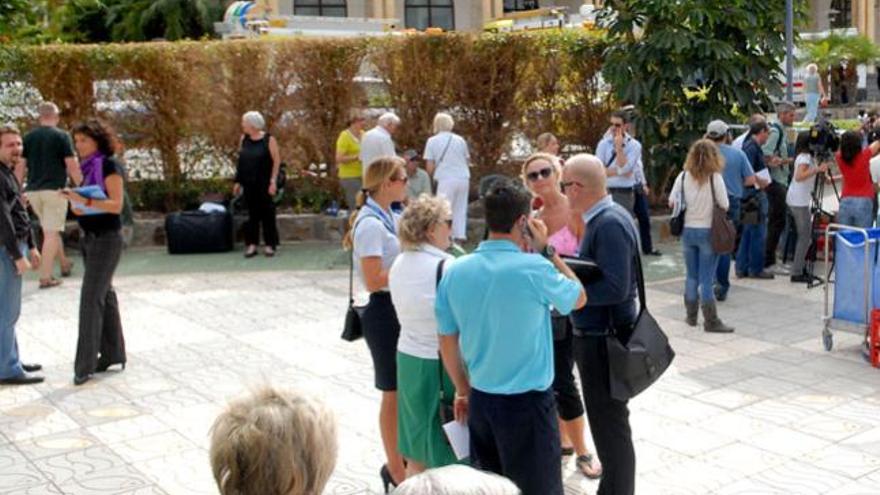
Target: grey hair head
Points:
(254, 119)
(457, 480)
(47, 109)
(785, 107)
(443, 122)
(387, 119)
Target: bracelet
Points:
(462, 397)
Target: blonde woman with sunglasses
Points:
(541, 174)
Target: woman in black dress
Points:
(101, 343)
(258, 165)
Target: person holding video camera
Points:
(799, 199)
(496, 342)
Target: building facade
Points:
(450, 15)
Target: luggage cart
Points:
(830, 323)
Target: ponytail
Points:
(359, 202)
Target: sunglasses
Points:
(403, 179)
(616, 124)
(565, 185)
(448, 222)
(543, 173)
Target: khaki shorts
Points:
(51, 209)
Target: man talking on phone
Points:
(493, 314)
(19, 255)
(620, 153)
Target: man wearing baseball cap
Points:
(419, 181)
(737, 174)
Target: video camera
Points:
(823, 140)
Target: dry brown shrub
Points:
(65, 75)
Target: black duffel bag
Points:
(190, 232)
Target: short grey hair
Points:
(457, 480)
(388, 118)
(47, 109)
(443, 122)
(254, 119)
(785, 107)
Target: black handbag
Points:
(446, 410)
(676, 222)
(633, 366)
(352, 330)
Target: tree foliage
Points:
(685, 63)
(837, 57)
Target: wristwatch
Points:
(548, 252)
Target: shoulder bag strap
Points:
(443, 155)
(681, 191)
(640, 279)
(351, 267)
(712, 186)
(439, 357)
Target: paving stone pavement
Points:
(764, 410)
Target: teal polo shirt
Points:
(497, 300)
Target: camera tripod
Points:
(817, 212)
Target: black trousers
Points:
(568, 399)
(100, 327)
(609, 418)
(261, 212)
(775, 220)
(517, 437)
(643, 216)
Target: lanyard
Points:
(384, 217)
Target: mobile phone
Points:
(526, 230)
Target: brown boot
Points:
(693, 308)
(711, 322)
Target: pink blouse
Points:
(564, 241)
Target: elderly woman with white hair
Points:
(424, 233)
(273, 442)
(814, 92)
(447, 159)
(258, 164)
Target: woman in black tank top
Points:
(258, 164)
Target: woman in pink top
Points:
(541, 174)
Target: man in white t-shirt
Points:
(378, 141)
(447, 159)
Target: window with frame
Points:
(422, 14)
(520, 5)
(324, 8)
(840, 14)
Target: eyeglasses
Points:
(543, 173)
(565, 185)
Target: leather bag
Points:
(635, 365)
(723, 233)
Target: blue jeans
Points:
(722, 274)
(10, 309)
(750, 255)
(857, 212)
(700, 262)
(812, 107)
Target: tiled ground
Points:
(764, 410)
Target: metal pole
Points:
(789, 50)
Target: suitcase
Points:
(190, 232)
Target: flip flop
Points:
(587, 467)
(48, 284)
(67, 269)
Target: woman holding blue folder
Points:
(97, 206)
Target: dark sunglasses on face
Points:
(448, 222)
(543, 173)
(616, 124)
(403, 179)
(565, 185)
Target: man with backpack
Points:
(779, 159)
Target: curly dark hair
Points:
(100, 133)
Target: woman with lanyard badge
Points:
(373, 238)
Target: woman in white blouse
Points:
(424, 233)
(447, 159)
(701, 186)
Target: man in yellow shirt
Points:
(348, 164)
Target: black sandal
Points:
(585, 465)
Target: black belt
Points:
(577, 332)
(621, 189)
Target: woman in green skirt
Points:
(424, 232)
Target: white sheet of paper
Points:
(764, 174)
(459, 438)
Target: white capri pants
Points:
(456, 192)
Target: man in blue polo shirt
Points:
(737, 174)
(493, 314)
